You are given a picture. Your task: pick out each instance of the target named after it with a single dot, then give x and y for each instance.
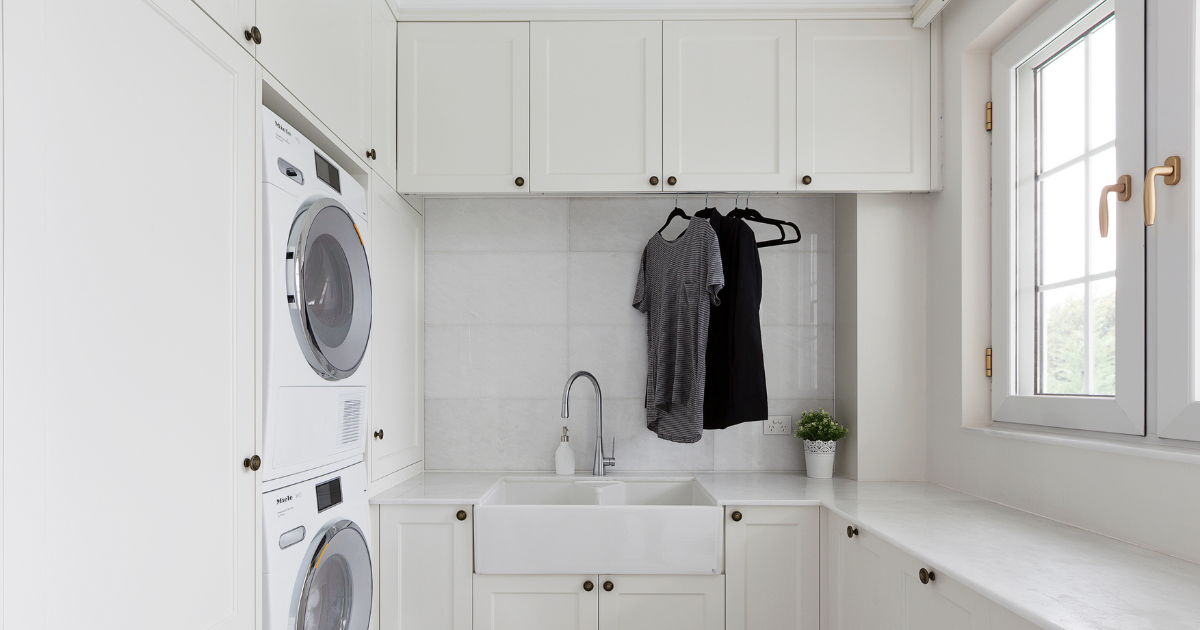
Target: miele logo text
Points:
(283, 499)
(282, 128)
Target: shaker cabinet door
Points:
(321, 52)
(729, 105)
(235, 16)
(397, 270)
(536, 602)
(383, 91)
(129, 247)
(425, 567)
(652, 602)
(463, 107)
(863, 105)
(596, 106)
(772, 567)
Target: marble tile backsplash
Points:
(521, 292)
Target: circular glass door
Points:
(329, 289)
(335, 592)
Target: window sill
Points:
(1113, 445)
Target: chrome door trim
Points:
(315, 555)
(298, 240)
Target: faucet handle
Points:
(611, 460)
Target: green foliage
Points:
(1065, 368)
(819, 425)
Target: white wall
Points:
(520, 292)
(1151, 502)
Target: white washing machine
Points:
(316, 565)
(316, 309)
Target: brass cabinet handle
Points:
(671, 180)
(462, 515)
(806, 180)
(736, 516)
(1170, 174)
(379, 434)
(1124, 190)
(654, 180)
(253, 462)
(520, 181)
(253, 35)
(851, 531)
(371, 154)
(926, 575)
(608, 586)
(588, 586)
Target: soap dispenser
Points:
(564, 457)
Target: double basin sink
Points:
(598, 525)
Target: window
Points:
(1069, 322)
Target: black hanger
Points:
(750, 214)
(677, 212)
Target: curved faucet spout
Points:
(600, 462)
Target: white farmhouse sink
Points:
(598, 525)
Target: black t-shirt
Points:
(735, 388)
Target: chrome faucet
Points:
(600, 462)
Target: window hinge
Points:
(987, 363)
(988, 122)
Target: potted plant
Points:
(820, 434)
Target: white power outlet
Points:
(777, 425)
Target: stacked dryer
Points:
(316, 326)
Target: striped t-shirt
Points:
(677, 284)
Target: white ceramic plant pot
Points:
(818, 458)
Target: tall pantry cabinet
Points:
(129, 187)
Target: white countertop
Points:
(1055, 575)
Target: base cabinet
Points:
(772, 567)
(425, 564)
(599, 602)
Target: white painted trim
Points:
(1108, 444)
(925, 11)
(664, 14)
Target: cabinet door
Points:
(729, 105)
(942, 604)
(320, 51)
(383, 91)
(856, 577)
(772, 568)
(535, 602)
(424, 567)
(653, 602)
(235, 16)
(397, 239)
(129, 299)
(863, 118)
(595, 106)
(463, 107)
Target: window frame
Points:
(1013, 234)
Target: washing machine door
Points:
(329, 288)
(334, 591)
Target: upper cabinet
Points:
(863, 105)
(235, 16)
(382, 153)
(321, 52)
(729, 105)
(463, 107)
(595, 106)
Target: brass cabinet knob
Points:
(253, 463)
(654, 180)
(926, 575)
(462, 515)
(588, 586)
(671, 180)
(851, 531)
(520, 181)
(371, 154)
(254, 35)
(806, 180)
(736, 516)
(379, 434)
(608, 586)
